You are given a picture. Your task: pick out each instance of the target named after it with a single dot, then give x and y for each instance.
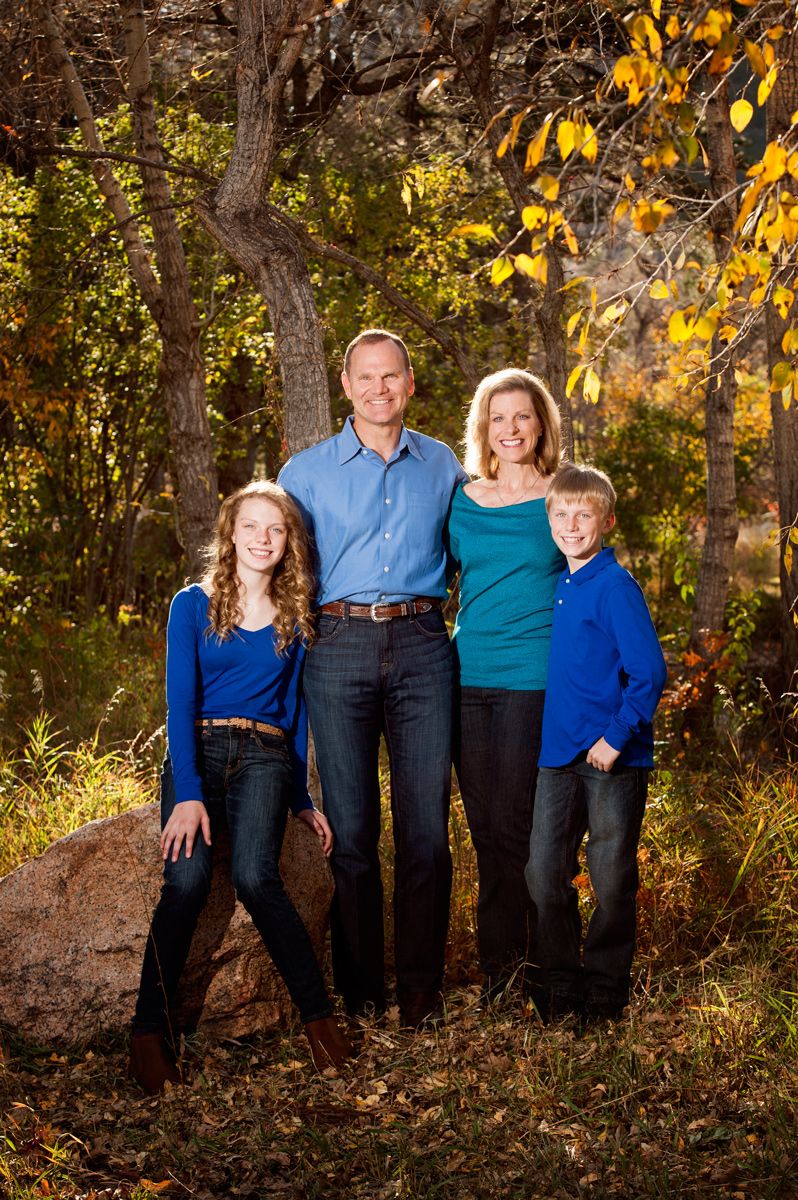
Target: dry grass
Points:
(692, 1095)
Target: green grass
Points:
(692, 1095)
(49, 788)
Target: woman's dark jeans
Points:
(571, 801)
(248, 780)
(496, 746)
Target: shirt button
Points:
(387, 569)
(387, 537)
(387, 500)
(559, 601)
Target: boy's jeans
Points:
(570, 801)
(248, 782)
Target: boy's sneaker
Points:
(604, 1010)
(553, 1007)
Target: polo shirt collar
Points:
(349, 444)
(604, 559)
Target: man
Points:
(375, 498)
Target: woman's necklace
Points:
(517, 499)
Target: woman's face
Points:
(513, 427)
(260, 534)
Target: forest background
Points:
(202, 202)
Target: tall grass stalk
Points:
(49, 789)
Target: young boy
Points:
(606, 675)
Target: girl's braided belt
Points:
(239, 723)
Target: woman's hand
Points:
(320, 826)
(187, 817)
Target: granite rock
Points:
(73, 925)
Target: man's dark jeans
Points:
(248, 780)
(496, 745)
(363, 679)
(608, 806)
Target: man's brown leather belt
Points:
(383, 612)
(241, 723)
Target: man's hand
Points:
(602, 755)
(320, 826)
(186, 819)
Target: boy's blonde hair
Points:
(582, 482)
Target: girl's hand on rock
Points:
(186, 819)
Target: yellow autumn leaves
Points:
(652, 75)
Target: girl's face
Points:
(513, 427)
(260, 534)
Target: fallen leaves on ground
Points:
(670, 1101)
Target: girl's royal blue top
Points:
(509, 567)
(242, 676)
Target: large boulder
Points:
(73, 925)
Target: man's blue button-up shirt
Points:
(377, 526)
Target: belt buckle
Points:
(373, 613)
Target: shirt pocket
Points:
(432, 501)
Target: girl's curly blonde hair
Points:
(293, 586)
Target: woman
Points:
(237, 749)
(499, 535)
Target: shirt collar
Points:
(349, 444)
(604, 559)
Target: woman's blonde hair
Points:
(293, 586)
(479, 458)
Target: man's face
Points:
(378, 384)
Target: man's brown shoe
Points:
(329, 1045)
(151, 1063)
(417, 1009)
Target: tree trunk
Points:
(182, 369)
(182, 376)
(271, 257)
(475, 70)
(168, 299)
(271, 37)
(722, 520)
(549, 318)
(782, 102)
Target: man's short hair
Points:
(582, 482)
(368, 337)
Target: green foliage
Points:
(48, 789)
(101, 680)
(82, 429)
(399, 216)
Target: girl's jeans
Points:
(248, 780)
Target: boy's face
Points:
(577, 527)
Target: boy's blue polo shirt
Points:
(606, 667)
